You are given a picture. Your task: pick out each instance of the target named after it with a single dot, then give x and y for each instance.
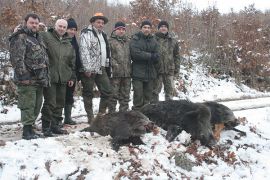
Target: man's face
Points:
(71, 32)
(61, 27)
(98, 24)
(32, 24)
(120, 32)
(146, 29)
(163, 29)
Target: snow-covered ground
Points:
(80, 155)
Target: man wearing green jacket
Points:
(168, 64)
(62, 71)
(144, 54)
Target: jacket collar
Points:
(165, 36)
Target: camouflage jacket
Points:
(141, 49)
(61, 57)
(120, 56)
(169, 62)
(90, 51)
(29, 58)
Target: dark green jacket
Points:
(141, 49)
(61, 57)
(29, 58)
(169, 62)
(120, 56)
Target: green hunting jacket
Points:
(120, 56)
(169, 62)
(61, 57)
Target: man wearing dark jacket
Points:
(71, 31)
(30, 62)
(62, 72)
(144, 54)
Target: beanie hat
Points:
(163, 23)
(71, 24)
(146, 22)
(119, 24)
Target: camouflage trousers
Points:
(142, 93)
(54, 102)
(121, 90)
(29, 102)
(104, 87)
(168, 82)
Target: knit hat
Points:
(119, 24)
(146, 22)
(99, 16)
(163, 23)
(71, 24)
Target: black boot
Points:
(27, 132)
(46, 130)
(57, 130)
(36, 135)
(68, 119)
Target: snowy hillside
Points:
(82, 156)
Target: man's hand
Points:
(70, 83)
(88, 74)
(25, 82)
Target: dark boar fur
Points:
(175, 116)
(222, 114)
(123, 127)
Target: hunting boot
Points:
(103, 104)
(46, 130)
(90, 118)
(27, 132)
(67, 111)
(36, 135)
(56, 129)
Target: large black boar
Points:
(123, 127)
(175, 116)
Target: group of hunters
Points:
(48, 62)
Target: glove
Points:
(154, 57)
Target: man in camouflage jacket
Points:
(169, 63)
(30, 62)
(95, 55)
(121, 67)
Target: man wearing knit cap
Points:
(169, 63)
(71, 31)
(95, 58)
(144, 55)
(121, 67)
